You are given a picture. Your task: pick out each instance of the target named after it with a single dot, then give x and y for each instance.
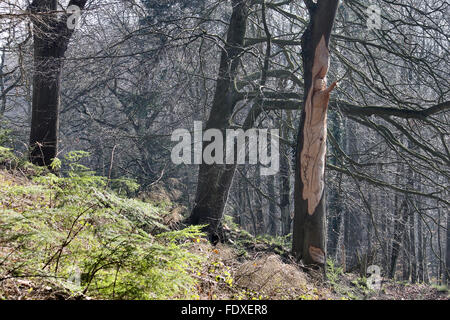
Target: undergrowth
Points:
(78, 233)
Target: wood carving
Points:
(317, 254)
(315, 129)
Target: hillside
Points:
(81, 237)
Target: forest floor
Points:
(73, 238)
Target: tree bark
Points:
(51, 37)
(284, 183)
(413, 256)
(406, 256)
(399, 226)
(335, 202)
(447, 255)
(259, 209)
(273, 214)
(214, 181)
(420, 246)
(309, 233)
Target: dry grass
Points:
(38, 289)
(271, 278)
(261, 276)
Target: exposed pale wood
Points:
(317, 254)
(315, 129)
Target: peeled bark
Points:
(309, 234)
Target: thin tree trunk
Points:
(420, 258)
(426, 276)
(335, 203)
(406, 257)
(273, 218)
(399, 226)
(285, 184)
(252, 214)
(352, 218)
(440, 262)
(259, 209)
(447, 255)
(412, 237)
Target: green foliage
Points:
(56, 164)
(279, 243)
(229, 222)
(125, 186)
(75, 169)
(333, 271)
(9, 160)
(6, 155)
(243, 240)
(353, 290)
(4, 135)
(221, 273)
(441, 288)
(53, 225)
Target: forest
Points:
(224, 150)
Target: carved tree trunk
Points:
(214, 181)
(51, 37)
(309, 235)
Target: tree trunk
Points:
(426, 276)
(334, 202)
(440, 262)
(252, 214)
(273, 217)
(413, 256)
(406, 256)
(259, 208)
(399, 226)
(214, 181)
(309, 233)
(447, 255)
(285, 184)
(352, 218)
(51, 37)
(420, 246)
